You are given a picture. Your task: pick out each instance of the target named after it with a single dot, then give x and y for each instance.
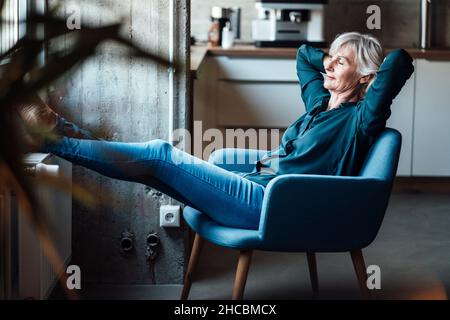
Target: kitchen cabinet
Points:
(401, 118)
(257, 93)
(256, 69)
(258, 104)
(264, 93)
(431, 151)
(250, 92)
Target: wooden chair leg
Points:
(245, 258)
(193, 259)
(361, 272)
(312, 264)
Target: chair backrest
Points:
(349, 218)
(382, 159)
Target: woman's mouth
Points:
(330, 77)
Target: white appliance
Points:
(26, 272)
(289, 23)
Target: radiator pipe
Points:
(127, 241)
(153, 242)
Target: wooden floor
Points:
(422, 185)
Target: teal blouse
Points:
(333, 142)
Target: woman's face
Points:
(341, 71)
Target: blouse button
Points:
(289, 148)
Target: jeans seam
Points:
(167, 162)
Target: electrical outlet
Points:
(169, 216)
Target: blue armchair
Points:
(307, 213)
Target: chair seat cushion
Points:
(219, 234)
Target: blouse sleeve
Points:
(309, 72)
(375, 109)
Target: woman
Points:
(344, 114)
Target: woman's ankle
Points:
(71, 130)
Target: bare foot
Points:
(37, 114)
(39, 122)
(42, 122)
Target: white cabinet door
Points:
(402, 119)
(256, 69)
(431, 152)
(258, 104)
(257, 92)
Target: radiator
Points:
(5, 243)
(27, 273)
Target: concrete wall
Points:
(399, 26)
(128, 100)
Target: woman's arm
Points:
(310, 66)
(375, 108)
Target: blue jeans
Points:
(224, 196)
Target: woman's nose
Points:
(329, 65)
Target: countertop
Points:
(198, 57)
(200, 52)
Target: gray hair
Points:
(368, 52)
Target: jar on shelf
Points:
(214, 34)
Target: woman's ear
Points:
(365, 79)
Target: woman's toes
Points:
(37, 115)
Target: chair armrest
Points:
(235, 159)
(322, 213)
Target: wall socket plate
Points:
(169, 216)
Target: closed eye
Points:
(342, 60)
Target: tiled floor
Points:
(412, 249)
